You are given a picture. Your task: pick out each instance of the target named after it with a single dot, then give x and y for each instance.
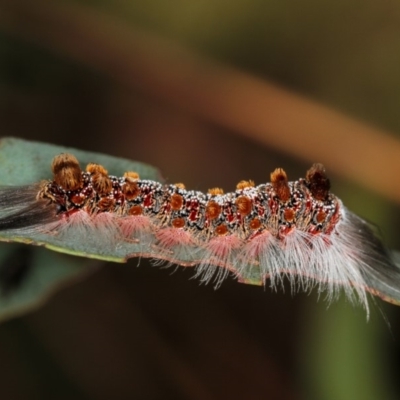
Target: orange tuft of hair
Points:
(213, 209)
(244, 184)
(280, 184)
(215, 191)
(244, 205)
(67, 172)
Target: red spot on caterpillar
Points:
(230, 217)
(194, 214)
(255, 223)
(148, 200)
(78, 199)
(213, 210)
(176, 201)
(321, 216)
(178, 223)
(244, 205)
(221, 230)
(135, 210)
(289, 215)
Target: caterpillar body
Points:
(296, 230)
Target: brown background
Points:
(196, 89)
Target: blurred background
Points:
(211, 92)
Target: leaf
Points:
(29, 275)
(25, 162)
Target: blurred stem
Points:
(249, 106)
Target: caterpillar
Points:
(295, 230)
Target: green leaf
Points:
(24, 162)
(29, 275)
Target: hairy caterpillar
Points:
(298, 230)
